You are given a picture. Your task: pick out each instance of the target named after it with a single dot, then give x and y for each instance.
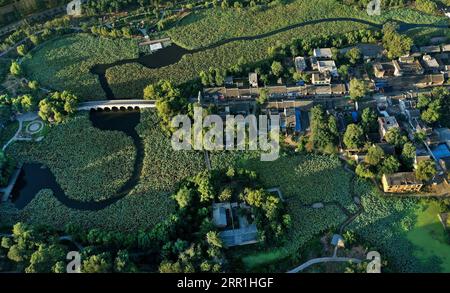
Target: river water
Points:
(35, 177)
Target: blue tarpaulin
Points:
(355, 116)
(441, 151)
(298, 122)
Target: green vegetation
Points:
(65, 63)
(7, 166)
(386, 224)
(429, 236)
(148, 203)
(58, 106)
(210, 26)
(358, 89)
(303, 181)
(89, 164)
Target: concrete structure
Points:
(328, 66)
(253, 79)
(75, 8)
(300, 64)
(321, 78)
(401, 183)
(386, 124)
(116, 104)
(431, 64)
(323, 53)
(382, 70)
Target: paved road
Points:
(323, 260)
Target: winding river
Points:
(35, 177)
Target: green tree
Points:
(390, 165)
(426, 170)
(394, 137)
(369, 120)
(426, 6)
(100, 263)
(353, 55)
(213, 239)
(358, 89)
(277, 68)
(183, 197)
(263, 97)
(354, 136)
(396, 45)
(374, 155)
(408, 155)
(22, 50)
(44, 259)
(226, 194)
(15, 69)
(363, 171)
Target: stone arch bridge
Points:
(116, 105)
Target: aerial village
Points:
(393, 90)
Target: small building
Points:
(253, 79)
(328, 66)
(386, 124)
(431, 80)
(401, 183)
(338, 241)
(445, 48)
(300, 64)
(219, 216)
(324, 53)
(397, 68)
(382, 70)
(321, 78)
(431, 64)
(430, 49)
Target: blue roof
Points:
(298, 122)
(441, 151)
(355, 116)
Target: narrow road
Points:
(323, 260)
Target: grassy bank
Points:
(64, 63)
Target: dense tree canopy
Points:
(58, 106)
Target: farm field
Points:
(65, 63)
(147, 204)
(210, 26)
(429, 236)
